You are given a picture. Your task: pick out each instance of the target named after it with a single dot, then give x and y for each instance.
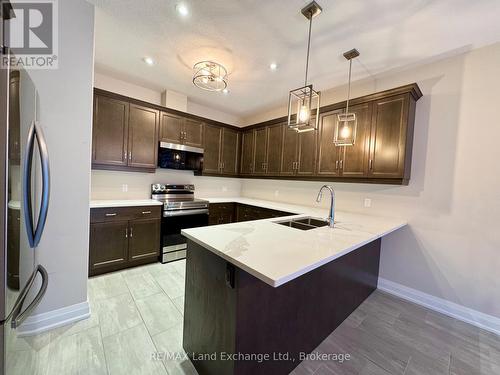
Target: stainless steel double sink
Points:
(305, 223)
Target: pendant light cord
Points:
(308, 46)
(349, 87)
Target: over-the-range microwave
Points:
(181, 157)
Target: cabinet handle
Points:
(125, 155)
(130, 155)
(341, 164)
(146, 212)
(126, 232)
(185, 135)
(336, 165)
(109, 215)
(370, 164)
(131, 232)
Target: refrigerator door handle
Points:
(21, 297)
(44, 206)
(27, 204)
(19, 316)
(35, 234)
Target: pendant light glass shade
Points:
(210, 76)
(303, 109)
(304, 102)
(347, 123)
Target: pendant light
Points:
(347, 123)
(304, 102)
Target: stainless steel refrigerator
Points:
(24, 205)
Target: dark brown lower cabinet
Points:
(123, 237)
(224, 213)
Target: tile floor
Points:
(138, 312)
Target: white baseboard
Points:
(39, 323)
(454, 310)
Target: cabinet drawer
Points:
(100, 215)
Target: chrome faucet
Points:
(331, 216)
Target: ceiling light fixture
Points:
(182, 9)
(210, 76)
(347, 123)
(273, 66)
(304, 102)
(148, 60)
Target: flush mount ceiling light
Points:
(304, 102)
(347, 123)
(210, 76)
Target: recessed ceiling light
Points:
(273, 66)
(182, 9)
(225, 91)
(149, 60)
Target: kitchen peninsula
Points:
(264, 289)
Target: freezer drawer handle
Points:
(24, 292)
(34, 234)
(19, 316)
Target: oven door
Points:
(173, 243)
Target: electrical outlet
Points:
(224, 189)
(276, 193)
(368, 202)
(124, 188)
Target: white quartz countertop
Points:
(277, 254)
(124, 203)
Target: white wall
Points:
(451, 247)
(66, 118)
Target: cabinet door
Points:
(354, 159)
(306, 153)
(230, 148)
(261, 151)
(274, 144)
(193, 133)
(171, 127)
(247, 152)
(143, 137)
(388, 137)
(108, 246)
(110, 131)
(328, 153)
(211, 157)
(289, 152)
(144, 239)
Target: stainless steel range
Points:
(181, 210)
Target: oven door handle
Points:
(185, 212)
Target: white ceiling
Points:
(246, 35)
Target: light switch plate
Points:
(124, 188)
(368, 202)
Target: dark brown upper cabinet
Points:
(222, 151)
(346, 161)
(181, 130)
(110, 132)
(211, 156)
(125, 136)
(261, 151)
(298, 153)
(274, 145)
(247, 152)
(391, 137)
(229, 151)
(143, 137)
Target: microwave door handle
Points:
(27, 203)
(20, 298)
(19, 317)
(44, 206)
